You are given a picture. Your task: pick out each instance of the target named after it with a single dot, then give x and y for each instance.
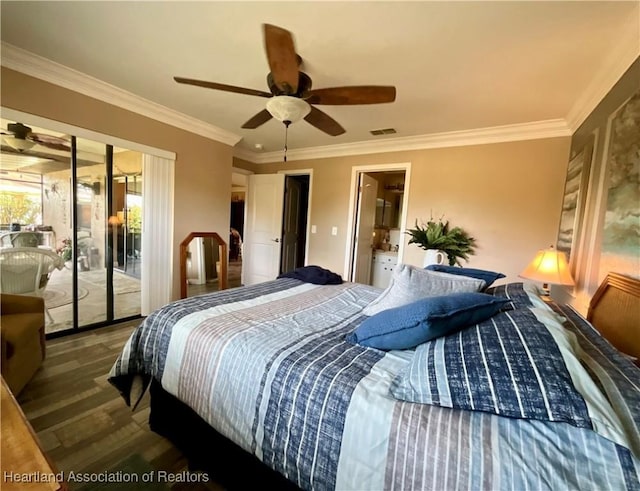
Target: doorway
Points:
(377, 218)
(294, 223)
(276, 226)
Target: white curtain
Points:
(157, 232)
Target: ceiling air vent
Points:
(385, 131)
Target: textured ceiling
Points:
(457, 66)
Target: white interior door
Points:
(263, 228)
(365, 221)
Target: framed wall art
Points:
(573, 202)
(620, 239)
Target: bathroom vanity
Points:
(382, 266)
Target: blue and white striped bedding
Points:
(508, 365)
(268, 366)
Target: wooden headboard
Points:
(614, 310)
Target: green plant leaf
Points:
(455, 242)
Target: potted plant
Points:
(453, 242)
(65, 251)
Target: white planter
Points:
(434, 256)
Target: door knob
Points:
(276, 240)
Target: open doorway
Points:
(378, 206)
(276, 224)
(294, 222)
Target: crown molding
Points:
(617, 64)
(36, 66)
(496, 134)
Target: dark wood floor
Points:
(81, 420)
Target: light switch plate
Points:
(334, 230)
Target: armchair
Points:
(22, 338)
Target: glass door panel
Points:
(91, 229)
(127, 203)
(35, 205)
(57, 215)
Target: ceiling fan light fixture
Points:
(287, 108)
(19, 144)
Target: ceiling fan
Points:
(291, 97)
(20, 137)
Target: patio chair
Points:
(21, 239)
(26, 271)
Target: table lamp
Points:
(549, 266)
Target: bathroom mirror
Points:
(203, 264)
(389, 210)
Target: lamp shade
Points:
(549, 266)
(287, 108)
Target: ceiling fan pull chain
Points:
(286, 134)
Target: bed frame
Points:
(614, 311)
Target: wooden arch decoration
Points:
(222, 248)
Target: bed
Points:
(263, 386)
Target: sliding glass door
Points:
(80, 199)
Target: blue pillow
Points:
(408, 326)
(514, 292)
(481, 274)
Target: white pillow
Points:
(409, 284)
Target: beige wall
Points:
(203, 166)
(507, 195)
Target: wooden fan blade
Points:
(259, 119)
(282, 58)
(226, 88)
(324, 122)
(357, 94)
(49, 141)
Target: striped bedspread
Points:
(268, 367)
